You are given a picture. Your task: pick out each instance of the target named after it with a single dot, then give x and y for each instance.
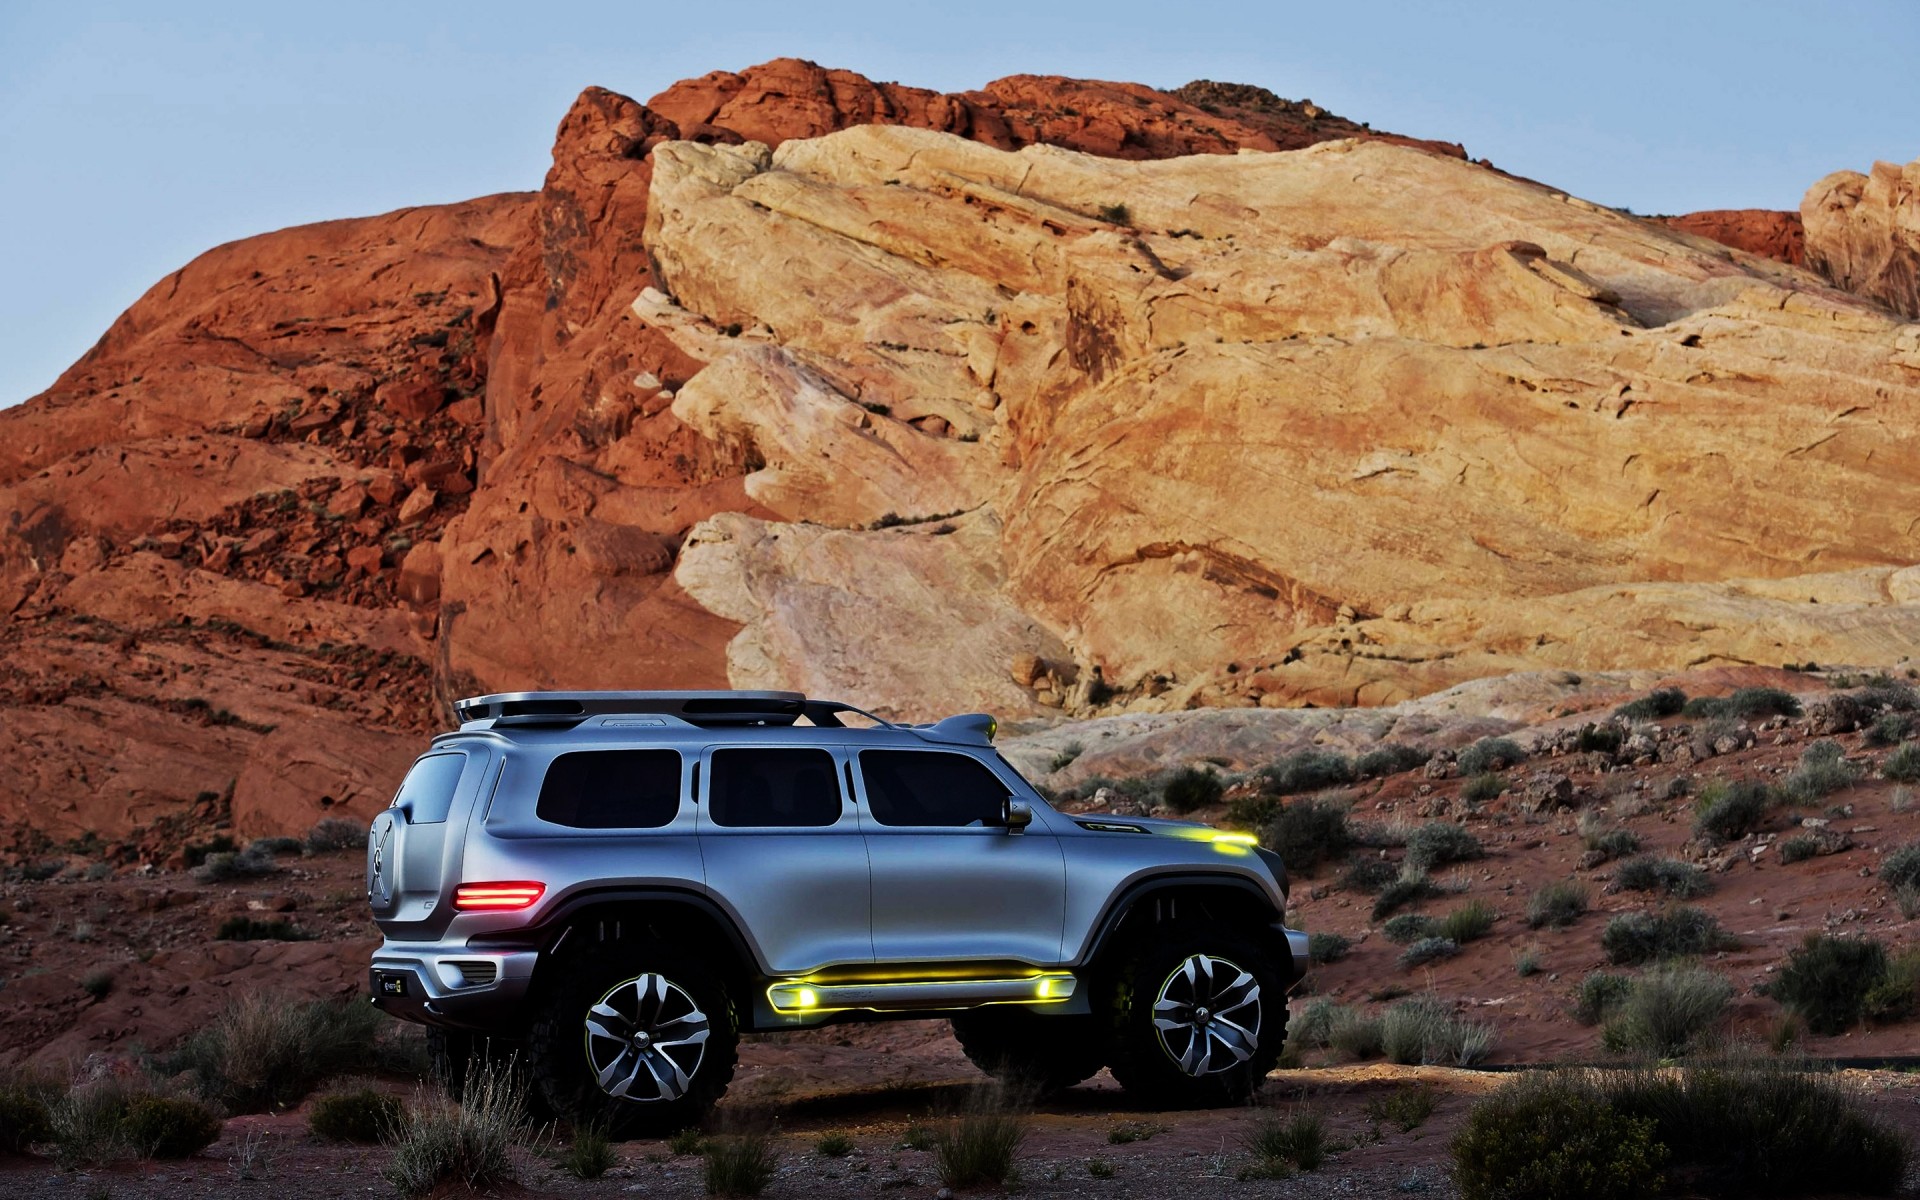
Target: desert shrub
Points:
(1677, 932)
(1751, 1125)
(1826, 980)
(1428, 949)
(1327, 947)
(220, 843)
(1883, 691)
(977, 1147)
(590, 1155)
(1409, 887)
(25, 1120)
(1369, 875)
(1408, 1107)
(1116, 214)
(363, 1114)
(98, 983)
(1469, 922)
(275, 846)
(1305, 832)
(1191, 788)
(252, 929)
(1799, 849)
(1665, 702)
(1889, 729)
(1601, 739)
(691, 1140)
(1666, 1010)
(1297, 1141)
(1903, 765)
(1747, 704)
(1650, 873)
(1822, 771)
(1422, 1030)
(1306, 771)
(1482, 788)
(334, 835)
(1902, 867)
(1557, 904)
(263, 1052)
(1896, 994)
(89, 1121)
(1251, 813)
(1437, 843)
(1389, 758)
(1727, 811)
(438, 1146)
(170, 1126)
(227, 866)
(1526, 961)
(1490, 754)
(1599, 993)
(1128, 1132)
(1356, 1034)
(1409, 927)
(833, 1144)
(738, 1164)
(1552, 1135)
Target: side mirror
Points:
(1016, 815)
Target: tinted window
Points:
(773, 787)
(611, 789)
(427, 791)
(918, 787)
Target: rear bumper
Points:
(457, 989)
(1296, 948)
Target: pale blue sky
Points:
(134, 136)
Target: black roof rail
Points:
(694, 707)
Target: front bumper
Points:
(457, 989)
(1296, 943)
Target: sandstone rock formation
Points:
(1762, 231)
(1863, 232)
(1059, 395)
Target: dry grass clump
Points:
(977, 1147)
(438, 1144)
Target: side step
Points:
(799, 996)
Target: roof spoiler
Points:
(968, 729)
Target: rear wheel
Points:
(1025, 1048)
(1197, 1015)
(642, 1040)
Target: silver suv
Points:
(613, 886)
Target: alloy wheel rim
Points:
(1207, 1015)
(645, 1039)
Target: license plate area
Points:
(392, 983)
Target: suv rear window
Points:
(930, 787)
(611, 789)
(428, 789)
(773, 788)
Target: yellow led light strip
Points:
(799, 996)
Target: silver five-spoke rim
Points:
(1208, 1015)
(645, 1039)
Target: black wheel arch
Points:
(1176, 896)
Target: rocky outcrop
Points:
(1762, 231)
(1863, 232)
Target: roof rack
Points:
(695, 708)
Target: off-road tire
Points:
(1025, 1049)
(1141, 1061)
(565, 1078)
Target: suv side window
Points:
(763, 788)
(428, 789)
(611, 789)
(930, 787)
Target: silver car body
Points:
(859, 918)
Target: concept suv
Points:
(615, 885)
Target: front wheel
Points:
(1198, 1017)
(641, 1041)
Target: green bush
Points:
(1903, 765)
(1440, 842)
(1667, 1010)
(1557, 904)
(439, 1147)
(1298, 1141)
(1727, 811)
(170, 1127)
(1428, 949)
(833, 1144)
(25, 1120)
(977, 1148)
(364, 1114)
(1327, 947)
(334, 835)
(738, 1165)
(1822, 771)
(1608, 841)
(1389, 758)
(692, 1141)
(1598, 995)
(590, 1155)
(1747, 704)
(1553, 1136)
(1306, 832)
(1356, 1034)
(264, 1052)
(1409, 927)
(1799, 849)
(1482, 788)
(1825, 982)
(228, 866)
(1470, 922)
(1647, 873)
(1411, 886)
(1307, 771)
(1490, 754)
(1896, 994)
(1600, 739)
(1666, 702)
(1190, 788)
(1408, 1107)
(1369, 875)
(1678, 932)
(1889, 729)
(1422, 1030)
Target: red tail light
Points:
(497, 897)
